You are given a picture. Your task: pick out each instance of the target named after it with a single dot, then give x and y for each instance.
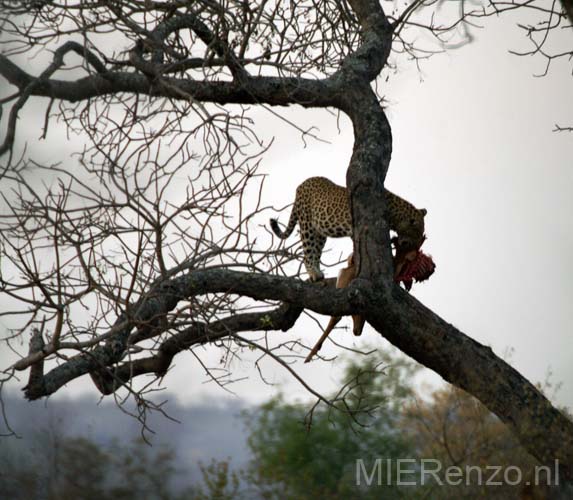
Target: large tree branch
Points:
(371, 57)
(372, 141)
(256, 90)
(543, 430)
(108, 380)
(365, 181)
(148, 312)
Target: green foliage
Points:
(83, 466)
(72, 468)
(142, 473)
(266, 321)
(298, 452)
(17, 478)
(220, 483)
(297, 455)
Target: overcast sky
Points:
(473, 144)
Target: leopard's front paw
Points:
(316, 275)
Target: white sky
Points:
(473, 143)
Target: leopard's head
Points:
(411, 229)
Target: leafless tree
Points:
(112, 274)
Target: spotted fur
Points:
(322, 211)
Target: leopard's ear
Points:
(423, 211)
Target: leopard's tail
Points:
(291, 225)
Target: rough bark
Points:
(149, 311)
(543, 430)
(568, 8)
(254, 90)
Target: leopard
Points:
(322, 210)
